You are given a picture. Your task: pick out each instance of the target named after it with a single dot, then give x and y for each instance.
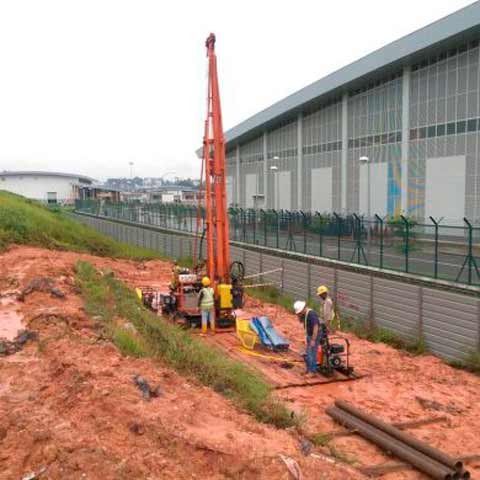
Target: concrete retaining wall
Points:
(449, 321)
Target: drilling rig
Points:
(226, 277)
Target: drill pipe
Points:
(402, 436)
(435, 470)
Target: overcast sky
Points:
(88, 86)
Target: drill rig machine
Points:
(226, 277)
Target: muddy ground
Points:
(68, 403)
(69, 408)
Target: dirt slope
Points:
(395, 385)
(69, 407)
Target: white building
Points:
(173, 194)
(48, 187)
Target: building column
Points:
(237, 175)
(344, 151)
(300, 161)
(265, 170)
(405, 138)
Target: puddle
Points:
(10, 320)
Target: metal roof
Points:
(460, 25)
(19, 173)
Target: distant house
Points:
(48, 187)
(173, 194)
(99, 192)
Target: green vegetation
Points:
(320, 439)
(361, 329)
(109, 298)
(324, 440)
(128, 343)
(341, 455)
(28, 222)
(470, 364)
(271, 294)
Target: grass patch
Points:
(271, 294)
(341, 455)
(28, 222)
(128, 343)
(361, 329)
(324, 440)
(470, 364)
(321, 439)
(107, 297)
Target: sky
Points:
(88, 86)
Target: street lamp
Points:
(364, 160)
(274, 170)
(131, 174)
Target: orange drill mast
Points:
(217, 232)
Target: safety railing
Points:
(431, 249)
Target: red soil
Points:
(69, 407)
(68, 401)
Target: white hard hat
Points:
(298, 306)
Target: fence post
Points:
(469, 258)
(282, 275)
(337, 217)
(278, 228)
(380, 221)
(304, 221)
(420, 313)
(335, 286)
(254, 213)
(371, 312)
(435, 263)
(234, 215)
(357, 227)
(478, 325)
(407, 235)
(264, 226)
(309, 281)
(320, 233)
(244, 225)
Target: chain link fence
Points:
(429, 249)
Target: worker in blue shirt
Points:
(315, 331)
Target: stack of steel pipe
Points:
(422, 456)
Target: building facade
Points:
(412, 108)
(47, 187)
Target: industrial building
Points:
(412, 111)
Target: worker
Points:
(206, 303)
(327, 306)
(315, 331)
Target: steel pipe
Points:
(425, 464)
(402, 436)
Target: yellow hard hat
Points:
(205, 281)
(322, 289)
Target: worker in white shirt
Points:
(328, 310)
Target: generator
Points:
(334, 355)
